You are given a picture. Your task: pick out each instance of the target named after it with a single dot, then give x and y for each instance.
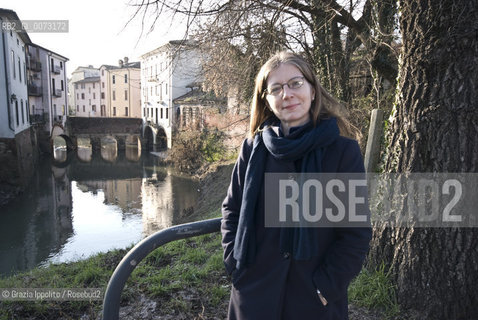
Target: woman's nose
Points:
(286, 92)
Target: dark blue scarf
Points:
(307, 143)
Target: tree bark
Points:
(435, 129)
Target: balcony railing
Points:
(57, 93)
(34, 90)
(37, 118)
(34, 65)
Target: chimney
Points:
(126, 60)
(120, 62)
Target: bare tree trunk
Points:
(435, 129)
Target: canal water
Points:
(88, 203)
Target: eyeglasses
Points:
(276, 89)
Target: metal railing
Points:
(124, 269)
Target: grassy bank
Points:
(181, 280)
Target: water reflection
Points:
(59, 149)
(83, 208)
(133, 148)
(109, 149)
(84, 150)
(133, 153)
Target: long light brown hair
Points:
(323, 106)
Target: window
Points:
(126, 94)
(93, 108)
(53, 85)
(61, 65)
(126, 111)
(103, 72)
(167, 116)
(114, 111)
(82, 96)
(83, 108)
(77, 96)
(102, 95)
(52, 64)
(89, 102)
(62, 88)
(103, 84)
(76, 86)
(25, 72)
(13, 65)
(94, 95)
(78, 108)
(89, 90)
(113, 79)
(156, 90)
(93, 85)
(114, 95)
(166, 88)
(160, 92)
(161, 113)
(19, 70)
(23, 113)
(126, 78)
(16, 113)
(82, 86)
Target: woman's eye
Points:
(295, 84)
(275, 90)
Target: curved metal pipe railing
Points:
(111, 301)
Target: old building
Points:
(47, 87)
(166, 73)
(79, 74)
(120, 89)
(87, 96)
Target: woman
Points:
(290, 273)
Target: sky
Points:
(97, 34)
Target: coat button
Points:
(286, 255)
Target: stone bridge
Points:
(94, 129)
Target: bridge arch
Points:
(155, 138)
(59, 131)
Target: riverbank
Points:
(182, 280)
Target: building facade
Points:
(87, 97)
(14, 106)
(167, 72)
(47, 87)
(120, 90)
(80, 73)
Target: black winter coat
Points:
(276, 286)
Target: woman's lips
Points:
(290, 106)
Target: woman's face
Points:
(290, 105)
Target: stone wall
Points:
(18, 160)
(80, 125)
